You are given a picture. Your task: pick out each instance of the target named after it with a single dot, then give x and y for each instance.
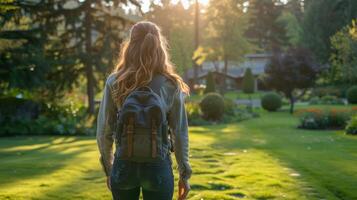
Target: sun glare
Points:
(185, 3)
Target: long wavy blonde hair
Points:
(143, 55)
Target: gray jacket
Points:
(174, 99)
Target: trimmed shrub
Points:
(271, 101)
(351, 127)
(212, 106)
(352, 95)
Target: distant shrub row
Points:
(316, 118)
(213, 108)
(26, 117)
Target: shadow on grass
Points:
(48, 155)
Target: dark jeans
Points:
(155, 179)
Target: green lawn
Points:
(263, 158)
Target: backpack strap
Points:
(153, 138)
(157, 82)
(130, 131)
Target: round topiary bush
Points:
(271, 101)
(212, 106)
(352, 95)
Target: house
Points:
(235, 72)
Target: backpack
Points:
(142, 126)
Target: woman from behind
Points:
(143, 58)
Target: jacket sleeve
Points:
(179, 126)
(105, 128)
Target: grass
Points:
(263, 158)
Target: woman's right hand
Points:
(183, 189)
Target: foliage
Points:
(271, 101)
(194, 114)
(352, 95)
(290, 72)
(264, 29)
(62, 41)
(248, 83)
(212, 106)
(293, 29)
(343, 59)
(210, 83)
(22, 117)
(224, 38)
(326, 100)
(315, 118)
(316, 35)
(177, 28)
(330, 90)
(230, 107)
(232, 113)
(351, 127)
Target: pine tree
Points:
(248, 84)
(226, 25)
(264, 30)
(63, 43)
(210, 83)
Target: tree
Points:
(178, 29)
(335, 14)
(343, 59)
(210, 83)
(292, 73)
(63, 41)
(249, 84)
(293, 29)
(263, 29)
(226, 23)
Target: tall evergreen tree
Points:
(226, 24)
(63, 40)
(322, 19)
(248, 84)
(263, 29)
(210, 83)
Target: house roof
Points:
(257, 63)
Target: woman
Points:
(142, 57)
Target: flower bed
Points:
(317, 118)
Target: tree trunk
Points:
(292, 101)
(195, 66)
(225, 74)
(88, 62)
